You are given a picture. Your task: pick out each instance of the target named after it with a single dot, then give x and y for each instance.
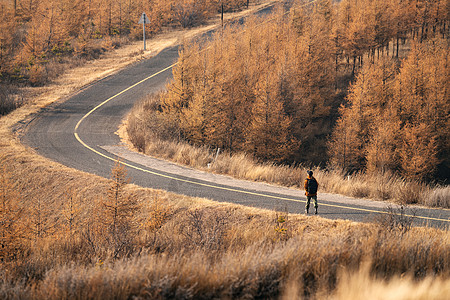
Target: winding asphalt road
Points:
(80, 133)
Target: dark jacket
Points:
(306, 186)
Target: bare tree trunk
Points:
(120, 18)
(354, 66)
(221, 14)
(398, 44)
(110, 19)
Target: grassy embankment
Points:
(156, 120)
(145, 126)
(194, 248)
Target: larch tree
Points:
(12, 228)
(421, 97)
(228, 119)
(117, 213)
(71, 211)
(344, 147)
(380, 23)
(195, 113)
(382, 150)
(311, 83)
(367, 98)
(7, 32)
(384, 124)
(401, 21)
(179, 91)
(73, 15)
(418, 152)
(268, 134)
(42, 219)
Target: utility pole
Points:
(144, 20)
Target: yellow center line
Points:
(120, 93)
(205, 184)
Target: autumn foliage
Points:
(273, 88)
(36, 36)
(265, 90)
(65, 234)
(103, 245)
(397, 118)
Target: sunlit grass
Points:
(155, 136)
(195, 248)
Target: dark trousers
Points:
(308, 201)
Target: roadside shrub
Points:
(136, 134)
(438, 197)
(195, 249)
(204, 228)
(360, 190)
(145, 123)
(410, 192)
(395, 220)
(10, 99)
(153, 134)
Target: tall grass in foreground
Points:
(191, 248)
(260, 270)
(263, 268)
(151, 133)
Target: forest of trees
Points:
(35, 33)
(263, 90)
(273, 89)
(398, 119)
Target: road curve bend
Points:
(80, 133)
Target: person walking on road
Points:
(311, 187)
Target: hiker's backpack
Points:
(312, 186)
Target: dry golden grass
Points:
(360, 285)
(147, 131)
(196, 255)
(195, 248)
(110, 62)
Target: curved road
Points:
(80, 133)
